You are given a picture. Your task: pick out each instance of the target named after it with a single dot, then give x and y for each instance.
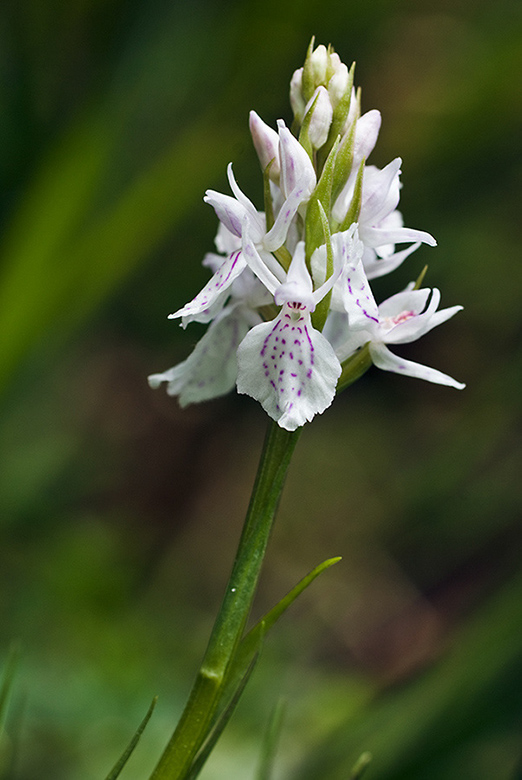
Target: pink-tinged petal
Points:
(289, 367)
(411, 326)
(387, 361)
(413, 301)
(214, 288)
(228, 210)
(297, 170)
(276, 236)
(211, 369)
(352, 292)
(358, 299)
(266, 143)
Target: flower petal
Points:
(376, 266)
(214, 288)
(380, 194)
(366, 132)
(387, 361)
(289, 367)
(211, 369)
(266, 143)
(297, 170)
(298, 285)
(228, 210)
(377, 236)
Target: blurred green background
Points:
(119, 513)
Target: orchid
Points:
(286, 364)
(289, 303)
(401, 319)
(292, 320)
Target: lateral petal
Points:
(213, 289)
(387, 361)
(211, 369)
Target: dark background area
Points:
(119, 513)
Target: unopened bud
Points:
(266, 143)
(321, 117)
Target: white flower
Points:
(380, 224)
(211, 369)
(283, 325)
(401, 319)
(297, 182)
(286, 364)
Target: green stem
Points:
(230, 623)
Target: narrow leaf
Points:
(420, 278)
(360, 766)
(271, 741)
(343, 162)
(115, 771)
(250, 643)
(308, 84)
(7, 682)
(304, 133)
(322, 194)
(321, 310)
(220, 723)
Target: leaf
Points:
(250, 645)
(314, 233)
(7, 682)
(270, 742)
(360, 766)
(220, 724)
(243, 664)
(115, 771)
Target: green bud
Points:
(314, 233)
